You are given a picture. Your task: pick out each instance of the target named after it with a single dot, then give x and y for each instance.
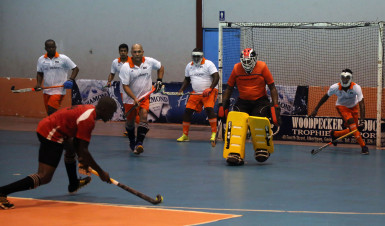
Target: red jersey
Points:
(251, 86)
(77, 121)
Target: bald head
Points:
(137, 54)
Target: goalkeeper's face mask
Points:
(197, 57)
(346, 79)
(248, 59)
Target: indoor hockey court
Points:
(337, 186)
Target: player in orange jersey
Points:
(349, 99)
(251, 77)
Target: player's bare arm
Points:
(130, 94)
(74, 73)
(226, 96)
(86, 159)
(185, 83)
(215, 80)
(362, 109)
(39, 80)
(274, 93)
(320, 103)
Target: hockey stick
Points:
(179, 94)
(315, 151)
(140, 100)
(155, 201)
(32, 89)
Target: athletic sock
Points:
(213, 124)
(30, 182)
(131, 133)
(357, 135)
(142, 131)
(71, 173)
(341, 132)
(186, 127)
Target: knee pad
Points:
(235, 136)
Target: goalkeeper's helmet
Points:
(248, 59)
(197, 56)
(346, 78)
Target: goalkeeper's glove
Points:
(276, 114)
(222, 111)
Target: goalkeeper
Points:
(349, 98)
(251, 77)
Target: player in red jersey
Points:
(75, 123)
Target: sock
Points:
(213, 124)
(30, 182)
(131, 133)
(71, 173)
(341, 132)
(357, 135)
(186, 127)
(142, 131)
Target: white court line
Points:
(174, 208)
(273, 211)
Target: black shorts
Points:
(49, 152)
(259, 107)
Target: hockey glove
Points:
(68, 84)
(276, 114)
(158, 85)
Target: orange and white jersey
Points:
(55, 71)
(115, 70)
(138, 78)
(77, 121)
(200, 75)
(349, 98)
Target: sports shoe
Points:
(138, 148)
(5, 204)
(183, 138)
(125, 134)
(333, 137)
(365, 150)
(212, 139)
(82, 182)
(234, 159)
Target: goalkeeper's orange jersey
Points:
(251, 86)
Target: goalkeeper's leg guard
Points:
(261, 136)
(236, 129)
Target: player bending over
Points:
(204, 77)
(75, 122)
(349, 98)
(251, 77)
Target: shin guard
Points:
(235, 136)
(261, 136)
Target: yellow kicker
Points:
(261, 133)
(235, 136)
(236, 131)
